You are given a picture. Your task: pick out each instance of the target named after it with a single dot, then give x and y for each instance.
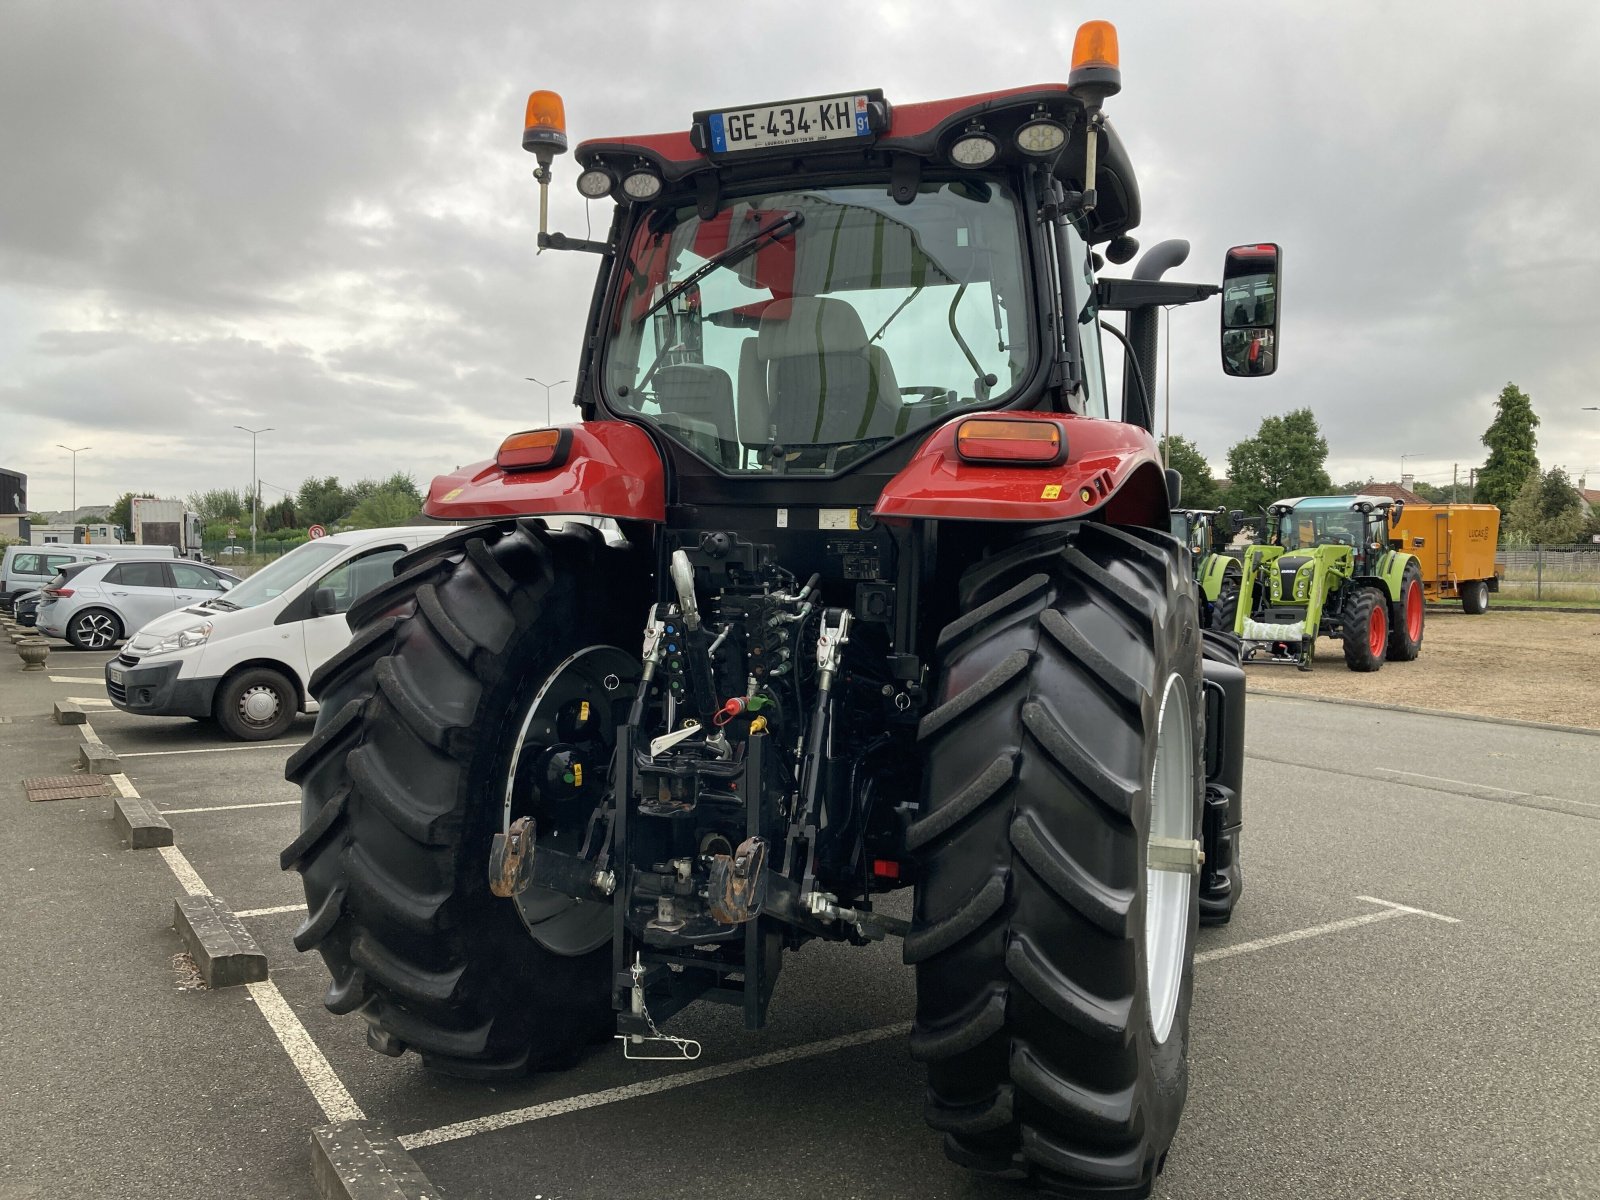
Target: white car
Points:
(246, 658)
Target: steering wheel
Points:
(925, 395)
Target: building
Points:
(51, 535)
(13, 505)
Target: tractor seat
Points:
(696, 403)
(809, 377)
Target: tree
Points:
(220, 504)
(1184, 457)
(122, 511)
(1511, 441)
(1547, 511)
(1285, 458)
(279, 516)
(386, 507)
(322, 501)
(1354, 487)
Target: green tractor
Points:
(1218, 573)
(1330, 569)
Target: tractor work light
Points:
(596, 183)
(544, 130)
(534, 449)
(974, 150)
(1041, 137)
(1010, 440)
(641, 185)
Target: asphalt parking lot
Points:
(1403, 1006)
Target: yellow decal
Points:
(451, 494)
(1052, 491)
(583, 711)
(577, 774)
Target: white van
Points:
(29, 568)
(246, 658)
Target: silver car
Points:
(95, 605)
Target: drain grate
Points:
(67, 787)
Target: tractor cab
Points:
(1359, 522)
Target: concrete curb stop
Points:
(98, 759)
(140, 825)
(67, 713)
(361, 1160)
(221, 947)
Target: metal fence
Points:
(1552, 573)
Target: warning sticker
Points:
(1052, 491)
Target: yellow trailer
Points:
(1454, 544)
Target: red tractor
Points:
(911, 618)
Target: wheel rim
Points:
(605, 678)
(1377, 630)
(95, 630)
(1167, 893)
(260, 705)
(1414, 611)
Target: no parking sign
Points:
(317, 531)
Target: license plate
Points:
(114, 674)
(794, 123)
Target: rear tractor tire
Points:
(1475, 597)
(425, 716)
(1366, 629)
(1054, 969)
(1225, 612)
(1406, 617)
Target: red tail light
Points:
(886, 868)
(533, 449)
(1014, 440)
(58, 591)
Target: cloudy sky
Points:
(318, 217)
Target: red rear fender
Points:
(612, 470)
(1107, 465)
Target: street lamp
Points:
(255, 486)
(546, 387)
(75, 454)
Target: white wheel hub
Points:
(1167, 883)
(260, 705)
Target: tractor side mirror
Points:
(1394, 513)
(1236, 517)
(1250, 310)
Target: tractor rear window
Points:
(833, 322)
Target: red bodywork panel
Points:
(1115, 464)
(905, 121)
(613, 470)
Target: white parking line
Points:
(271, 912)
(216, 749)
(167, 812)
(188, 877)
(325, 1086)
(555, 1108)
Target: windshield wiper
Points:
(219, 602)
(738, 252)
